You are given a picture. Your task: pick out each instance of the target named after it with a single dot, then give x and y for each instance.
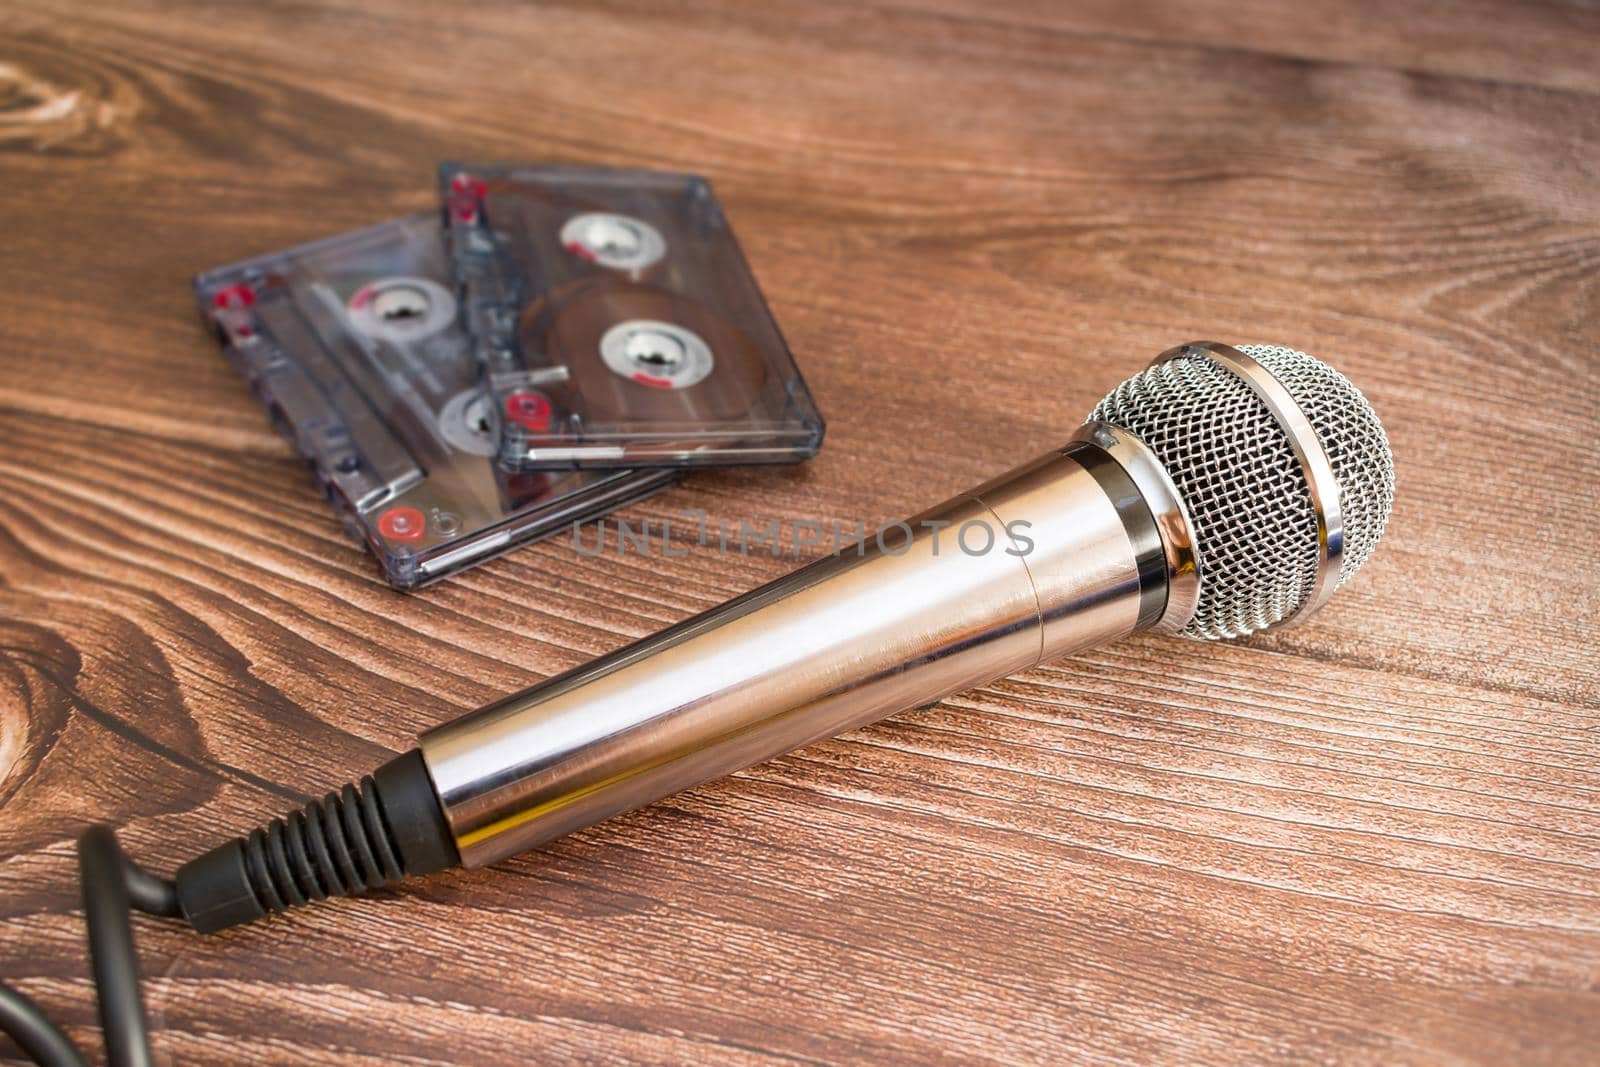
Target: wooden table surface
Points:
(1376, 837)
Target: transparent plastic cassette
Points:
(354, 345)
(617, 322)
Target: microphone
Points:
(1220, 492)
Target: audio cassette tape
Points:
(618, 323)
(355, 346)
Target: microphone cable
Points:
(113, 886)
(365, 836)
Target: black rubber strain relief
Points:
(348, 842)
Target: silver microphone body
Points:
(1083, 545)
(1220, 492)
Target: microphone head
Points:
(1282, 467)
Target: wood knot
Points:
(38, 113)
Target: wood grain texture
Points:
(1376, 837)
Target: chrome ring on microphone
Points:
(1308, 448)
(1166, 507)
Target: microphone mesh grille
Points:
(1255, 527)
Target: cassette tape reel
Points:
(355, 346)
(617, 322)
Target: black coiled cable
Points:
(113, 885)
(360, 838)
